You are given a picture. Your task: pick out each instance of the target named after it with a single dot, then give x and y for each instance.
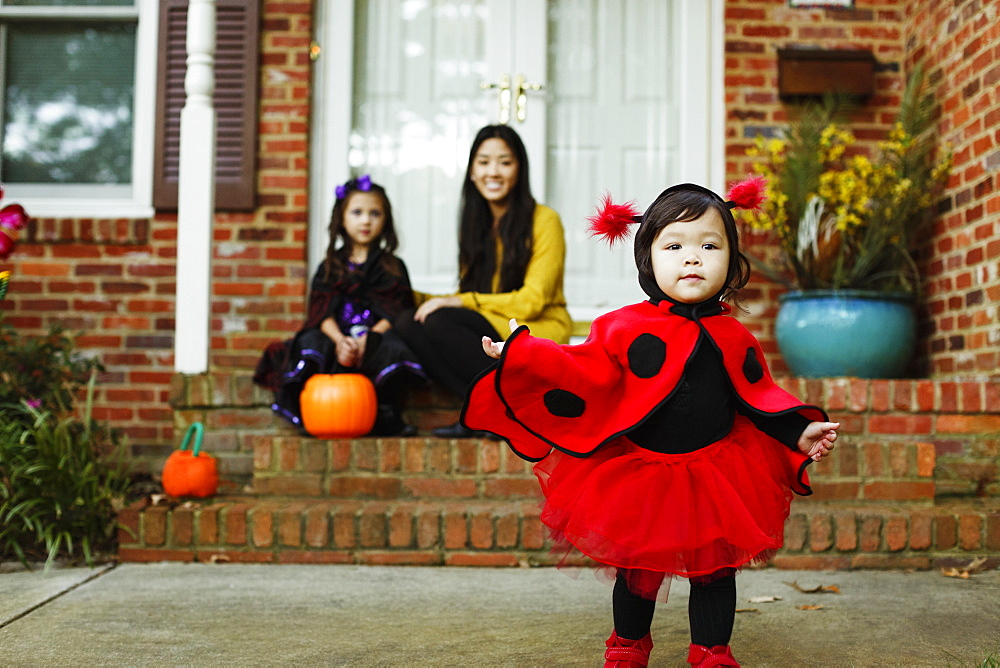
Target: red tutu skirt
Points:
(657, 515)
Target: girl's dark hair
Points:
(476, 240)
(687, 202)
(387, 241)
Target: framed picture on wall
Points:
(840, 4)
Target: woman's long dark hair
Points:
(476, 240)
(388, 242)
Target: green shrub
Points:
(43, 371)
(62, 480)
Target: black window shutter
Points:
(235, 101)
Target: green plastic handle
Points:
(197, 429)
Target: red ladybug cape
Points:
(577, 398)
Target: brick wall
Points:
(114, 280)
(957, 43)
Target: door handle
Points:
(521, 88)
(504, 99)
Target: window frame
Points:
(87, 200)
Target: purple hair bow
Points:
(363, 183)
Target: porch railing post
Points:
(196, 194)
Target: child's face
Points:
(494, 170)
(364, 218)
(691, 259)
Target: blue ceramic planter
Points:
(846, 333)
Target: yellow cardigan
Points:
(539, 303)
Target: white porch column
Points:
(196, 194)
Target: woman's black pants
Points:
(449, 344)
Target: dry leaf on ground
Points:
(219, 559)
(747, 610)
(970, 569)
(819, 589)
(810, 607)
(763, 599)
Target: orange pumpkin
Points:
(190, 472)
(339, 405)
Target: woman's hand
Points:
(495, 348)
(433, 304)
(817, 439)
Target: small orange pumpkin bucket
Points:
(338, 405)
(190, 472)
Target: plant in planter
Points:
(845, 224)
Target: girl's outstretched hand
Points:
(494, 348)
(817, 439)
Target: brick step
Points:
(390, 468)
(495, 532)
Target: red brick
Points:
(314, 456)
(319, 557)
(481, 530)
(439, 456)
(340, 456)
(428, 528)
(208, 525)
(128, 524)
(365, 455)
(262, 526)
(890, 561)
(921, 534)
(512, 488)
(154, 525)
(820, 533)
(440, 488)
(317, 526)
(968, 424)
(343, 529)
(414, 455)
(871, 533)
(899, 491)
(290, 525)
(235, 522)
(507, 530)
(993, 532)
(945, 532)
(880, 395)
(490, 457)
(147, 555)
(810, 562)
(489, 559)
(826, 490)
(298, 484)
(896, 533)
(372, 528)
(970, 532)
(234, 556)
(400, 528)
(182, 520)
(455, 531)
(847, 532)
(365, 487)
(795, 533)
(399, 558)
(899, 456)
(901, 424)
(390, 456)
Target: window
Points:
(77, 82)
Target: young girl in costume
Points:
(355, 295)
(664, 447)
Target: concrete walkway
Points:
(173, 614)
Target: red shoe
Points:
(624, 653)
(703, 657)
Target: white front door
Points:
(619, 96)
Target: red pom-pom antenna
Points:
(612, 220)
(748, 193)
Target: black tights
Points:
(711, 611)
(449, 343)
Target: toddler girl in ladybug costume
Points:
(664, 447)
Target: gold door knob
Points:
(504, 99)
(521, 88)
